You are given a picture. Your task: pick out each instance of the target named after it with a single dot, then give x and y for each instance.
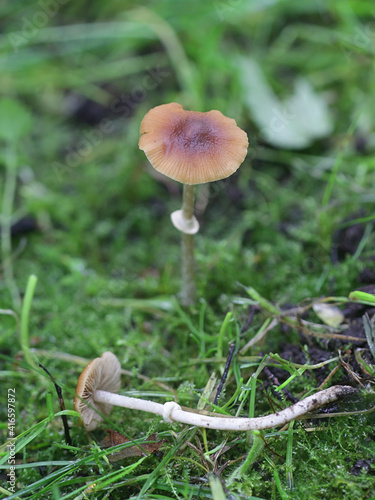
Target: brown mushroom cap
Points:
(103, 374)
(192, 147)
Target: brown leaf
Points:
(115, 438)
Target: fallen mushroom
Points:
(192, 148)
(102, 376)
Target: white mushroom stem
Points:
(128, 402)
(185, 221)
(172, 412)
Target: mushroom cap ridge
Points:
(192, 147)
(104, 374)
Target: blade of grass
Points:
(324, 217)
(289, 456)
(370, 333)
(255, 450)
(25, 314)
(222, 332)
(183, 437)
(216, 487)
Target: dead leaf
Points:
(115, 438)
(293, 123)
(329, 314)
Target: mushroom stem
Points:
(172, 412)
(188, 201)
(188, 289)
(185, 221)
(128, 402)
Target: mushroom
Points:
(101, 374)
(193, 148)
(101, 379)
(97, 389)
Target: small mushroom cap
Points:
(103, 374)
(192, 147)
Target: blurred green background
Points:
(297, 77)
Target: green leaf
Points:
(15, 120)
(362, 297)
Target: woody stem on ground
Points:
(188, 292)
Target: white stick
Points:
(172, 412)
